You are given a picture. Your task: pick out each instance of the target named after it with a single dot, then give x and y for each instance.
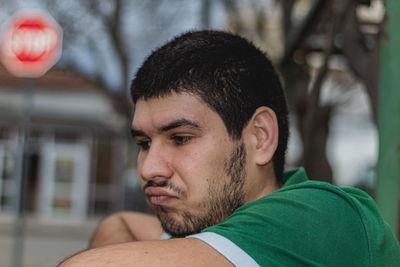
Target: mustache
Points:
(168, 185)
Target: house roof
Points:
(59, 98)
(55, 78)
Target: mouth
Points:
(158, 196)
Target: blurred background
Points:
(66, 155)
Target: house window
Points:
(64, 180)
(8, 152)
(7, 185)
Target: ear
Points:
(264, 129)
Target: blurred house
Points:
(76, 146)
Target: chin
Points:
(175, 224)
(176, 227)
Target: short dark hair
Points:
(226, 71)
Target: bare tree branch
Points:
(205, 14)
(361, 57)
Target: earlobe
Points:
(265, 130)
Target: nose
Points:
(154, 164)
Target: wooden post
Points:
(388, 169)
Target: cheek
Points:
(139, 169)
(201, 167)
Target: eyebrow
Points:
(170, 126)
(179, 123)
(136, 133)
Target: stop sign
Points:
(31, 43)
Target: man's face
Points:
(191, 172)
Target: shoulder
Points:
(311, 222)
(302, 203)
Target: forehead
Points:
(154, 112)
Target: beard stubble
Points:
(222, 200)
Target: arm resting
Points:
(124, 227)
(174, 252)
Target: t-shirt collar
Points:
(294, 176)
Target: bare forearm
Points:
(175, 252)
(111, 230)
(126, 227)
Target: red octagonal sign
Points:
(31, 43)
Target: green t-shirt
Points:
(306, 223)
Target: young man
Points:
(211, 123)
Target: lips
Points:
(158, 196)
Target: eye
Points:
(181, 139)
(144, 145)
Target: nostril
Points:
(159, 181)
(162, 183)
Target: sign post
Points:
(30, 46)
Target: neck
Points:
(261, 182)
